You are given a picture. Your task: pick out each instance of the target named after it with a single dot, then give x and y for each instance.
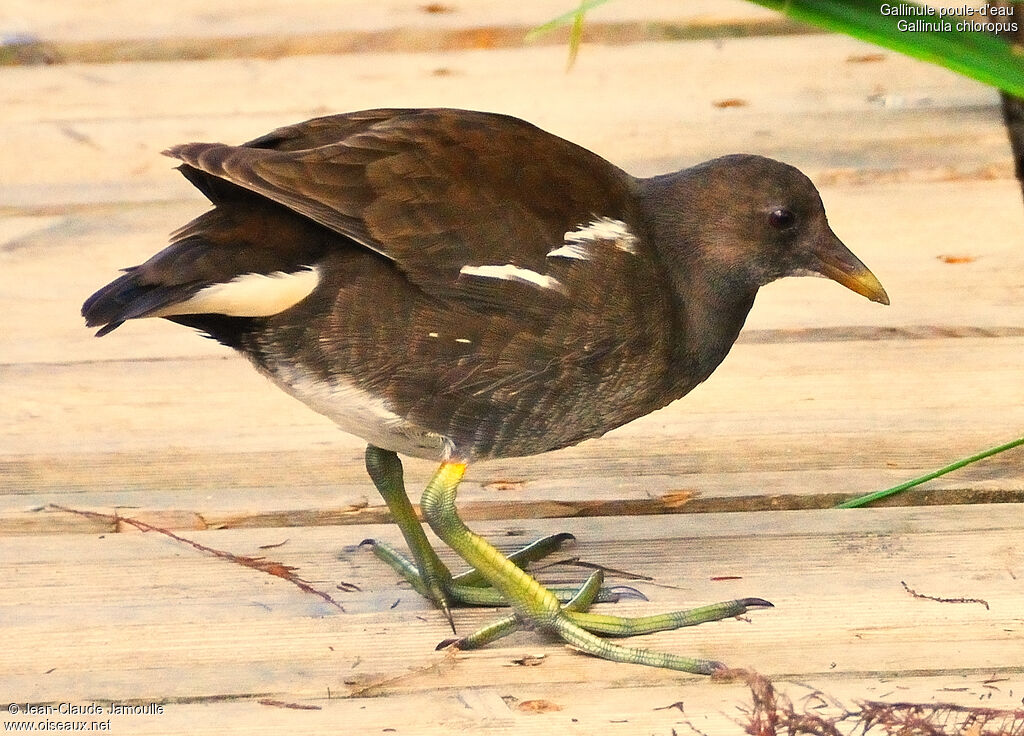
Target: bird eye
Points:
(781, 218)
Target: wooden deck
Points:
(726, 493)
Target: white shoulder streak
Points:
(579, 251)
(249, 295)
(602, 229)
(509, 272)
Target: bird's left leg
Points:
(538, 607)
(427, 574)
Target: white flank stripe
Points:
(601, 229)
(249, 295)
(508, 272)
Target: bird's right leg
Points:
(537, 607)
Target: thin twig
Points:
(944, 600)
(262, 564)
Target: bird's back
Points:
(436, 281)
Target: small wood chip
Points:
(675, 499)
(530, 660)
(865, 58)
(283, 704)
(538, 706)
(505, 485)
(272, 546)
(730, 102)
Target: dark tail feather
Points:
(127, 297)
(110, 327)
(107, 306)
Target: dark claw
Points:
(564, 537)
(443, 605)
(367, 542)
(445, 643)
(624, 591)
(750, 603)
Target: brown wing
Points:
(431, 190)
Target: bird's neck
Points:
(710, 322)
(710, 308)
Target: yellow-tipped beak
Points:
(835, 261)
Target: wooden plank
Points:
(158, 622)
(225, 89)
(78, 21)
(164, 491)
(104, 132)
(528, 710)
(167, 427)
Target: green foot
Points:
(575, 611)
(427, 574)
(495, 580)
(537, 607)
(470, 588)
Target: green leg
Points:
(539, 607)
(426, 573)
(429, 577)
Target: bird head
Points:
(745, 221)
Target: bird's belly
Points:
(358, 412)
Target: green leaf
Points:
(574, 16)
(974, 54)
(576, 34)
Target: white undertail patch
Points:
(249, 295)
(359, 412)
(578, 242)
(510, 272)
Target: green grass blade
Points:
(977, 55)
(871, 497)
(574, 17)
(576, 37)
